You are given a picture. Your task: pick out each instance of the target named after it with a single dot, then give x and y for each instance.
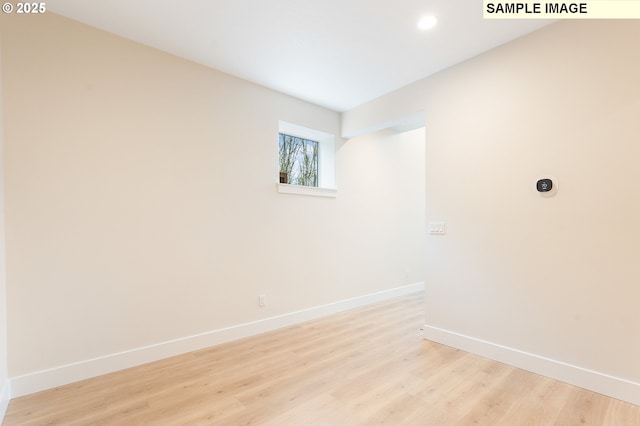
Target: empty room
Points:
(280, 212)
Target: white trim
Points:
(5, 397)
(303, 132)
(284, 188)
(605, 384)
(65, 374)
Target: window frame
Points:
(282, 137)
(326, 161)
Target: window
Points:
(298, 160)
(306, 161)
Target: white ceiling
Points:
(335, 53)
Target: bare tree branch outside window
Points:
(299, 160)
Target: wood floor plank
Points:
(584, 408)
(368, 366)
(622, 413)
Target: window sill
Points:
(284, 188)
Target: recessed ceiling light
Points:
(427, 22)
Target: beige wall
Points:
(557, 278)
(141, 203)
(4, 383)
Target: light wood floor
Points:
(368, 366)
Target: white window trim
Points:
(285, 188)
(326, 161)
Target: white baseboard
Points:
(5, 397)
(65, 374)
(614, 387)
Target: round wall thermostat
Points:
(546, 186)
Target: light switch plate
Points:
(437, 228)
